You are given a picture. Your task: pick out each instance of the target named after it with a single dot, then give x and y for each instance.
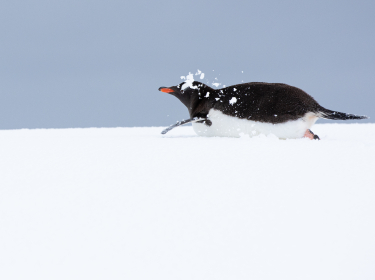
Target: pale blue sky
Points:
(100, 63)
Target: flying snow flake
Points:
(189, 82)
(207, 94)
(216, 84)
(198, 72)
(201, 76)
(232, 101)
(217, 99)
(234, 89)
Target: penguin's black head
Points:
(186, 92)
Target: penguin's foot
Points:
(309, 134)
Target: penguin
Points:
(251, 109)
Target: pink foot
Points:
(310, 135)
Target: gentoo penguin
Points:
(252, 109)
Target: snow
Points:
(189, 82)
(129, 203)
(233, 100)
(190, 79)
(200, 74)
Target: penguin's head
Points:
(187, 92)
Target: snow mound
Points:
(129, 203)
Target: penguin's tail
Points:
(333, 115)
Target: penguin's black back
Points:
(264, 102)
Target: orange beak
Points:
(167, 90)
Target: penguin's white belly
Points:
(227, 126)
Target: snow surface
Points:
(129, 203)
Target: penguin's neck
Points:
(199, 99)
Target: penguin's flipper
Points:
(192, 120)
